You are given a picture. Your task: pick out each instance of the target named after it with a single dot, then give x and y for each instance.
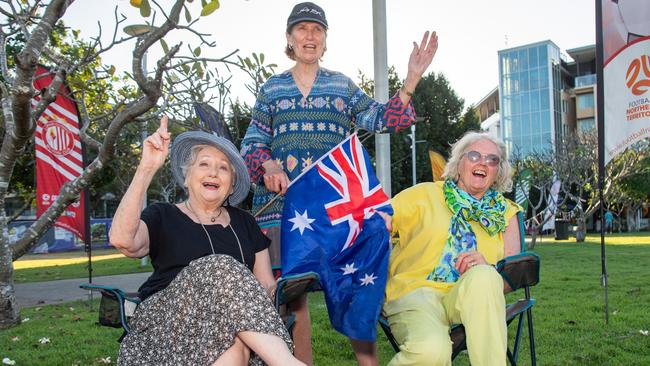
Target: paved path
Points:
(54, 292)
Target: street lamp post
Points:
(413, 150)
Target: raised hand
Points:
(156, 147)
(422, 55)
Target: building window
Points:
(585, 101)
(586, 125)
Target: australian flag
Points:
(330, 226)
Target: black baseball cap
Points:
(306, 12)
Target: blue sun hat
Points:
(182, 149)
(306, 12)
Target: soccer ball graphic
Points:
(633, 18)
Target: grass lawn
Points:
(569, 318)
(61, 266)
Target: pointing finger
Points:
(164, 122)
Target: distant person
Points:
(609, 221)
(441, 272)
(303, 113)
(206, 302)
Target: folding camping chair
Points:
(290, 288)
(518, 271)
(115, 306)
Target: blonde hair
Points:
(503, 181)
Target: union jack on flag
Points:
(329, 227)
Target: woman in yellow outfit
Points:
(451, 233)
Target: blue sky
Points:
(470, 33)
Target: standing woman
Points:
(203, 304)
(304, 112)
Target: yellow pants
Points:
(421, 319)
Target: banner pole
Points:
(601, 146)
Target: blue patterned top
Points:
(296, 131)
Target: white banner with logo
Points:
(626, 37)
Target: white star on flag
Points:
(349, 269)
(368, 280)
(301, 222)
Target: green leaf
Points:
(261, 58)
(197, 52)
(255, 58)
(145, 8)
(186, 69)
(249, 64)
(111, 70)
(210, 8)
(204, 3)
(188, 16)
(164, 46)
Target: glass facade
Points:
(530, 86)
(585, 80)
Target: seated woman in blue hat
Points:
(206, 302)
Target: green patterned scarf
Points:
(489, 211)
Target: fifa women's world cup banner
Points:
(626, 74)
(58, 154)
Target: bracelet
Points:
(410, 94)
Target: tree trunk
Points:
(581, 230)
(9, 314)
(533, 237)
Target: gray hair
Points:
(191, 159)
(503, 181)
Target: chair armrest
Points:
(118, 293)
(291, 287)
(520, 270)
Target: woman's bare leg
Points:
(365, 352)
(302, 330)
(271, 348)
(238, 354)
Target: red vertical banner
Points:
(58, 154)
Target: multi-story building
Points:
(542, 96)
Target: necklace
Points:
(212, 218)
(241, 252)
(301, 82)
